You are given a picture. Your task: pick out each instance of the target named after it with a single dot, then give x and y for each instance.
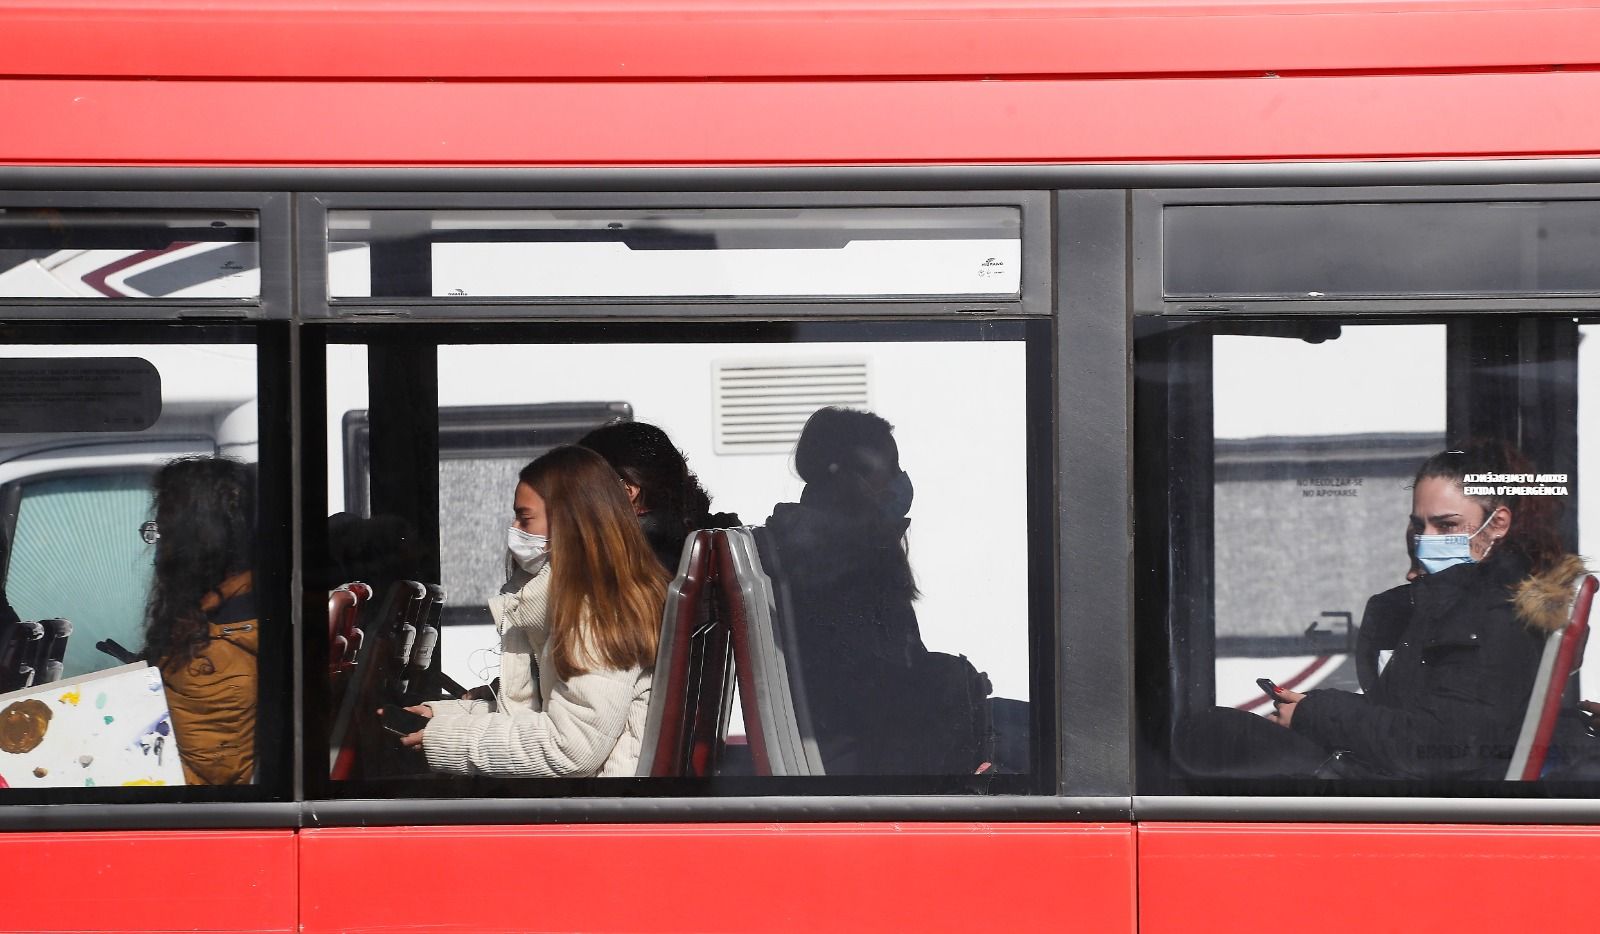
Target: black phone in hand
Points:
(1269, 688)
(402, 722)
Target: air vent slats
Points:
(761, 406)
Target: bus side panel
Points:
(478, 40)
(727, 877)
(333, 123)
(216, 880)
(1311, 878)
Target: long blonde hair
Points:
(606, 586)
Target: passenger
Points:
(201, 628)
(579, 620)
(666, 495)
(1490, 580)
(880, 702)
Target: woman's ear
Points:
(632, 489)
(1499, 523)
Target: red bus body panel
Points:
(665, 123)
(167, 880)
(1335, 879)
(634, 39)
(720, 877)
(794, 82)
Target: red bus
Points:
(1167, 303)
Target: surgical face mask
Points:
(896, 497)
(531, 552)
(1437, 552)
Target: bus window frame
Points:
(1156, 793)
(270, 803)
(1173, 602)
(1092, 327)
(311, 224)
(275, 295)
(1148, 248)
(1082, 323)
(468, 795)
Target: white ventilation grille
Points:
(761, 405)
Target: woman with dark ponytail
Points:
(1489, 580)
(201, 627)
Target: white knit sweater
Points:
(539, 725)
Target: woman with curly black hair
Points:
(666, 495)
(201, 627)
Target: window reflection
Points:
(129, 635)
(128, 254)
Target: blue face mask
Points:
(1438, 552)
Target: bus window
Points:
(953, 511)
(55, 549)
(122, 254)
(133, 645)
(1348, 507)
(1313, 476)
(466, 254)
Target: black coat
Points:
(1451, 700)
(879, 701)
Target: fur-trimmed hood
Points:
(1544, 601)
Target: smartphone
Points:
(1267, 685)
(402, 722)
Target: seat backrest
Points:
(667, 744)
(787, 639)
(53, 653)
(416, 678)
(777, 744)
(1562, 657)
(19, 647)
(341, 622)
(381, 659)
(345, 606)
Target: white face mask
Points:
(531, 552)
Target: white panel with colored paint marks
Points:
(106, 729)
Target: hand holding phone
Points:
(400, 721)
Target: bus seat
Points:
(343, 607)
(1563, 656)
(50, 653)
(670, 740)
(779, 744)
(788, 640)
(378, 664)
(19, 646)
(417, 679)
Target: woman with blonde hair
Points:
(579, 620)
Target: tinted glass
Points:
(128, 254)
(1389, 249)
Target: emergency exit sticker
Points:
(62, 394)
